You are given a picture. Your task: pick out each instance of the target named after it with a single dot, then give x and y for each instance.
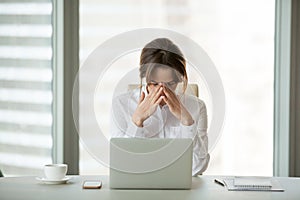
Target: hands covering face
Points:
(160, 94)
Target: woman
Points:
(156, 109)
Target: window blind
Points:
(25, 86)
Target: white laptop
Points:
(137, 163)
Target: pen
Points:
(219, 182)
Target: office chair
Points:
(1, 175)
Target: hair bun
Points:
(164, 56)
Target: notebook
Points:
(139, 163)
(253, 184)
(259, 182)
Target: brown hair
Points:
(162, 52)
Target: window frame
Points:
(282, 87)
(66, 65)
(65, 68)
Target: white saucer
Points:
(49, 181)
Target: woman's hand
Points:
(147, 105)
(176, 108)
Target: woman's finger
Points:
(159, 100)
(169, 94)
(168, 102)
(154, 91)
(157, 95)
(142, 97)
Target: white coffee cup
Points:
(55, 171)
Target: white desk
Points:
(204, 188)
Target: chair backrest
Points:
(192, 88)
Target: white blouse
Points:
(163, 124)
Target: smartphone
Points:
(92, 185)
